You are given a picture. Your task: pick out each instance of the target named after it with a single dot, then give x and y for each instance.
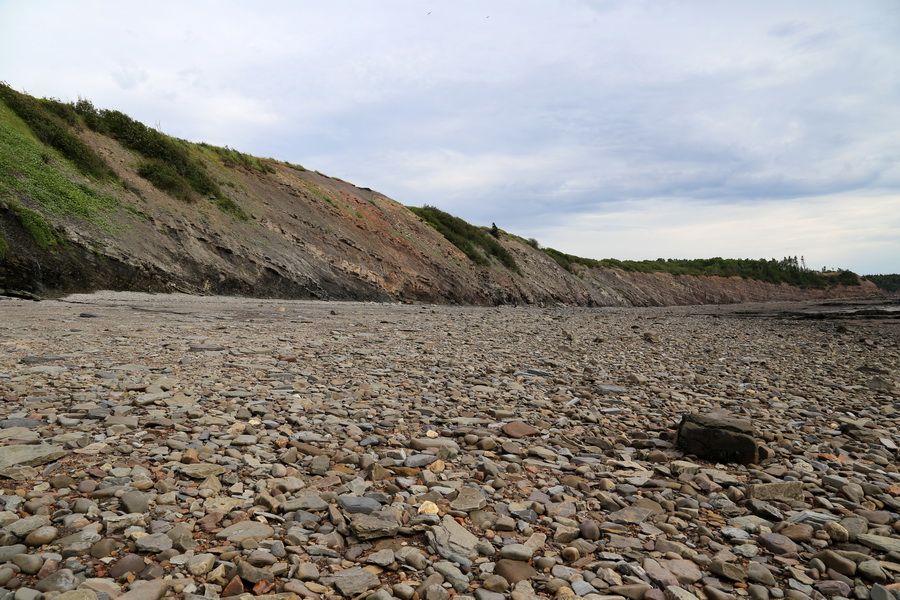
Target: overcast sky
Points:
(627, 129)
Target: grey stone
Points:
(374, 526)
(355, 581)
(359, 504)
(60, 581)
(245, 530)
(156, 543)
(469, 499)
(135, 502)
(516, 552)
(879, 542)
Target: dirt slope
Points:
(306, 236)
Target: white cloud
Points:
(846, 231)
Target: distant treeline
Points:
(888, 283)
(789, 269)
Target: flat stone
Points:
(307, 501)
(246, 530)
(130, 563)
(156, 543)
(453, 541)
(514, 571)
(519, 429)
(201, 564)
(469, 499)
(135, 502)
(60, 581)
(685, 571)
(676, 593)
(759, 573)
(783, 491)
(777, 543)
(516, 552)
(359, 504)
(15, 456)
(427, 443)
(355, 581)
(26, 525)
(879, 542)
(77, 595)
(728, 570)
(201, 470)
(374, 526)
(146, 590)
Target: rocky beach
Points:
(186, 447)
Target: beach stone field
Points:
(187, 447)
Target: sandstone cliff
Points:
(284, 232)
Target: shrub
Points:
(887, 282)
(231, 158)
(152, 145)
(786, 270)
(50, 122)
(165, 178)
(475, 242)
(4, 245)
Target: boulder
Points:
(719, 438)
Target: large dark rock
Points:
(719, 438)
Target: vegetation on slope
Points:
(475, 242)
(787, 270)
(50, 121)
(232, 159)
(887, 282)
(44, 234)
(28, 169)
(170, 164)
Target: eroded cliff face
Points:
(312, 236)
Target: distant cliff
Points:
(93, 200)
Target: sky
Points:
(604, 128)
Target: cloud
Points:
(541, 113)
(832, 231)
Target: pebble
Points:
(395, 451)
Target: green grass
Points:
(294, 166)
(52, 124)
(175, 154)
(475, 242)
(44, 234)
(773, 271)
(233, 159)
(887, 282)
(28, 169)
